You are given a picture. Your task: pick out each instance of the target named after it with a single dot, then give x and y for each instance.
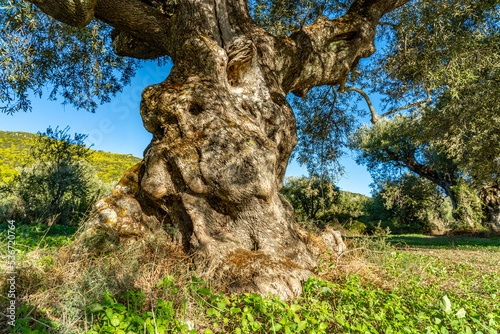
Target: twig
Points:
(375, 117)
(37, 305)
(74, 322)
(343, 253)
(50, 226)
(154, 261)
(206, 301)
(154, 318)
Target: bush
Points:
(58, 185)
(46, 193)
(355, 227)
(410, 204)
(310, 197)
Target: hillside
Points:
(15, 147)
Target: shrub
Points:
(57, 185)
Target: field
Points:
(392, 284)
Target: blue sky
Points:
(117, 126)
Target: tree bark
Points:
(490, 197)
(223, 131)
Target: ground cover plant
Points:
(392, 284)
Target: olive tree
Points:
(223, 131)
(393, 146)
(440, 61)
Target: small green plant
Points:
(133, 316)
(26, 324)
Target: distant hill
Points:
(15, 146)
(355, 196)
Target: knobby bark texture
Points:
(222, 129)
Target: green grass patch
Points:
(29, 237)
(351, 307)
(444, 242)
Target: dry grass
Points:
(62, 282)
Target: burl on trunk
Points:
(222, 129)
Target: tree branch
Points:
(392, 25)
(375, 117)
(323, 53)
(373, 9)
(76, 13)
(130, 45)
(133, 18)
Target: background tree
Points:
(392, 145)
(457, 58)
(57, 184)
(310, 197)
(410, 204)
(222, 129)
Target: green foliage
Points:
(352, 205)
(394, 144)
(355, 227)
(411, 204)
(311, 196)
(323, 129)
(29, 237)
(441, 45)
(36, 52)
(111, 316)
(353, 306)
(282, 17)
(469, 205)
(391, 147)
(15, 149)
(450, 48)
(24, 323)
(317, 202)
(235, 314)
(59, 184)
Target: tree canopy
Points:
(395, 145)
(441, 53)
(42, 56)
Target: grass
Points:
(444, 242)
(393, 284)
(30, 237)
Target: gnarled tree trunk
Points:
(222, 129)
